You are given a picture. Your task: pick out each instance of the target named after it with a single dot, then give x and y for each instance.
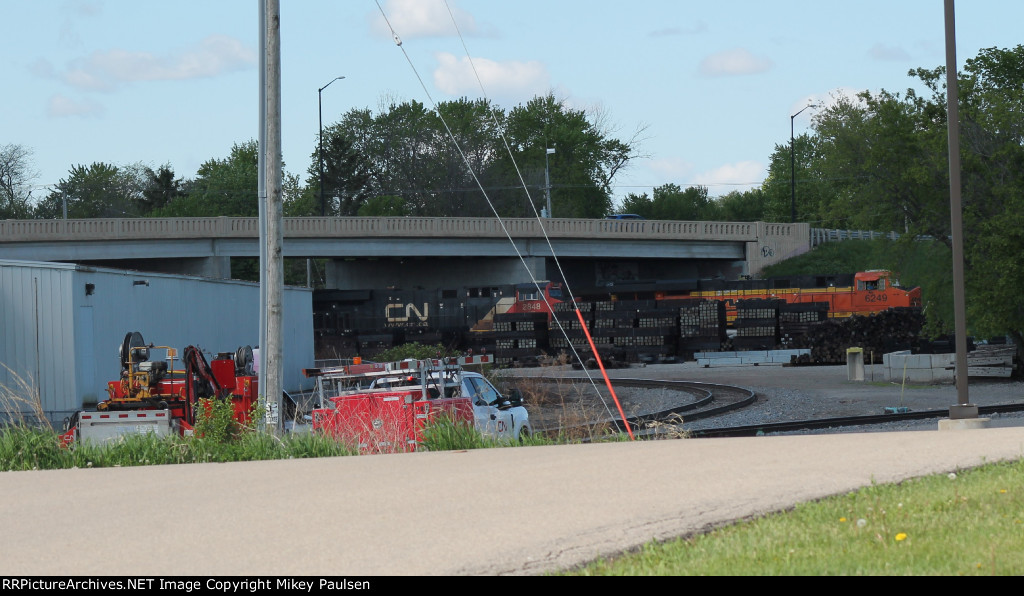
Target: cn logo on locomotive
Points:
(405, 313)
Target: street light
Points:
(547, 178)
(320, 105)
(792, 164)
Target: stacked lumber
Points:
(519, 338)
(568, 334)
(795, 320)
(702, 325)
(757, 324)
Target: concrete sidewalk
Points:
(487, 512)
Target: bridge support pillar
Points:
(434, 272)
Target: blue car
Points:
(624, 216)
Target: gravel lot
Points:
(788, 393)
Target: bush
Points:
(416, 351)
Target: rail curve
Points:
(708, 400)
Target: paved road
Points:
(488, 512)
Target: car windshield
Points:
(483, 391)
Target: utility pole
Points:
(964, 409)
(261, 342)
(273, 356)
(792, 165)
(320, 106)
(547, 177)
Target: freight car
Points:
(365, 322)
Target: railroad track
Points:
(752, 430)
(708, 400)
(697, 400)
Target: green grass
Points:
(446, 434)
(219, 439)
(967, 523)
(27, 448)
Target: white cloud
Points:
(888, 53)
(423, 18)
(743, 175)
(733, 62)
(215, 55)
(670, 167)
(61, 106)
(511, 79)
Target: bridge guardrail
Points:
(822, 235)
(34, 230)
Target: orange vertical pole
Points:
(608, 382)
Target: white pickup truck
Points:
(494, 415)
(381, 392)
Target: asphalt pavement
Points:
(523, 511)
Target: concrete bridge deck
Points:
(204, 246)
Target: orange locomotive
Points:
(871, 292)
(863, 293)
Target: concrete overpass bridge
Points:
(378, 252)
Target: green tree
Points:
(403, 144)
(299, 200)
(883, 159)
(161, 188)
(637, 204)
(347, 175)
(227, 187)
(469, 146)
(810, 193)
(411, 154)
(992, 146)
(748, 205)
(585, 162)
(99, 190)
(887, 158)
(384, 206)
(672, 202)
(16, 175)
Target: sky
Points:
(705, 90)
